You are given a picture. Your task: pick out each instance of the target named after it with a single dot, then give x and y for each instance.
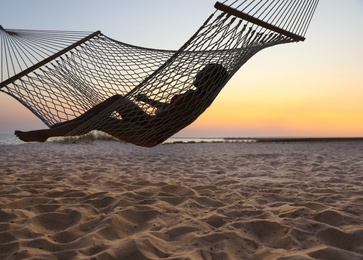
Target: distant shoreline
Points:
(9, 139)
(299, 139)
(312, 139)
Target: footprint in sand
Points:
(56, 221)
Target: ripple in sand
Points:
(139, 216)
(332, 218)
(64, 237)
(5, 216)
(334, 253)
(179, 231)
(5, 238)
(339, 239)
(271, 234)
(26, 202)
(177, 190)
(215, 220)
(9, 249)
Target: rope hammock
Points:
(60, 75)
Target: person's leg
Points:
(43, 134)
(126, 108)
(120, 129)
(129, 111)
(92, 111)
(127, 131)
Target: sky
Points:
(308, 89)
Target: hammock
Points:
(59, 75)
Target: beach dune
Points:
(109, 200)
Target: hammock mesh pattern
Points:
(60, 75)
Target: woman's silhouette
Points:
(207, 81)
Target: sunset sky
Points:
(311, 88)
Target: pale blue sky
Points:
(322, 73)
(143, 22)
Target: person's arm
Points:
(182, 106)
(147, 100)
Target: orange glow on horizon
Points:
(332, 113)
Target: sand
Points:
(109, 200)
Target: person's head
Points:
(211, 77)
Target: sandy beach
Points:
(109, 200)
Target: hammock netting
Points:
(59, 75)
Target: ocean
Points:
(10, 139)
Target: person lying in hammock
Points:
(135, 121)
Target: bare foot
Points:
(31, 136)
